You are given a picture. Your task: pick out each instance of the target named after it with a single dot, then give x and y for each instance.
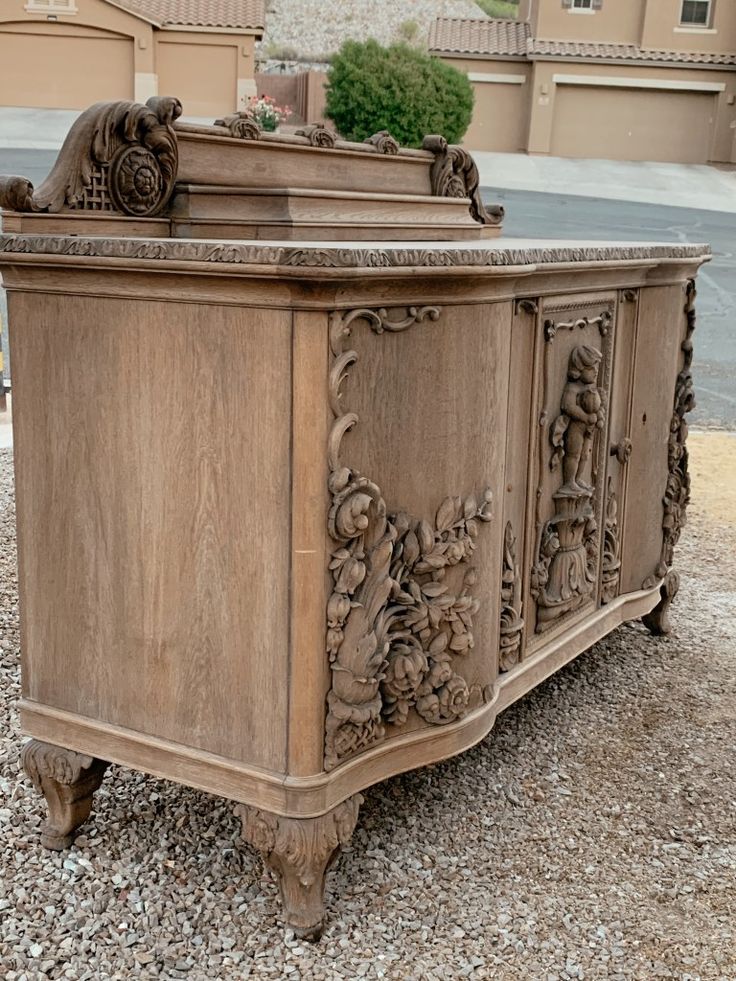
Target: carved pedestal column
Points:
(300, 851)
(67, 780)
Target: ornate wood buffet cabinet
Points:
(294, 517)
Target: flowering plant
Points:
(266, 113)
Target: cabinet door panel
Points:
(660, 331)
(572, 382)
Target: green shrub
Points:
(500, 8)
(370, 88)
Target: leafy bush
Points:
(500, 8)
(370, 88)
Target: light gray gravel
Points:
(592, 835)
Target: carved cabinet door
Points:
(572, 405)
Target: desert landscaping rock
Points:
(590, 836)
(314, 28)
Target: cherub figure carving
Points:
(582, 413)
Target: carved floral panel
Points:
(404, 588)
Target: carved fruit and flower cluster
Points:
(395, 623)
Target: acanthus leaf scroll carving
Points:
(454, 174)
(241, 125)
(117, 156)
(384, 142)
(318, 135)
(677, 491)
(611, 562)
(395, 625)
(512, 622)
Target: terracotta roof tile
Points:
(238, 14)
(623, 52)
(482, 36)
(511, 38)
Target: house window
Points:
(582, 6)
(51, 7)
(696, 13)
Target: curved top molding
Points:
(445, 255)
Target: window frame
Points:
(50, 7)
(582, 5)
(697, 25)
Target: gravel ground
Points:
(592, 834)
(313, 27)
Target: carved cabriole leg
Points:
(67, 780)
(658, 621)
(300, 851)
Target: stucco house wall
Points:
(592, 87)
(67, 54)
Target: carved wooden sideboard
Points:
(296, 517)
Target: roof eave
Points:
(477, 55)
(134, 13)
(208, 29)
(587, 60)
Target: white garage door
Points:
(633, 124)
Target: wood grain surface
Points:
(152, 450)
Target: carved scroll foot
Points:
(67, 780)
(658, 621)
(300, 851)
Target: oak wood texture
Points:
(152, 450)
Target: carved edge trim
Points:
(173, 250)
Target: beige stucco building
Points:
(621, 79)
(67, 54)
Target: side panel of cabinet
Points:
(660, 331)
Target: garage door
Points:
(203, 76)
(499, 117)
(63, 71)
(632, 124)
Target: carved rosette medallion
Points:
(565, 573)
(512, 623)
(136, 183)
(396, 629)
